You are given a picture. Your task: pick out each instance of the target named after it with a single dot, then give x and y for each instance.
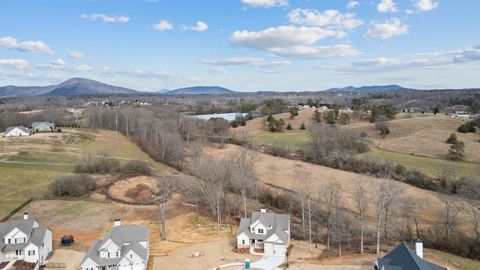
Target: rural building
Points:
(43, 127)
(267, 231)
(25, 241)
(404, 258)
(226, 116)
(17, 131)
(124, 247)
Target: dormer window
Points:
(260, 230)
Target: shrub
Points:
(452, 138)
(330, 117)
(293, 112)
(101, 165)
(456, 150)
(73, 185)
(363, 134)
(136, 167)
(467, 127)
(302, 127)
(317, 116)
(289, 126)
(344, 119)
(234, 124)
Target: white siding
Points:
(88, 264)
(16, 132)
(46, 247)
(243, 241)
(31, 253)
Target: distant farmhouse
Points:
(267, 231)
(18, 131)
(226, 116)
(43, 127)
(124, 248)
(24, 240)
(404, 258)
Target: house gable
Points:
(15, 233)
(131, 257)
(89, 264)
(274, 239)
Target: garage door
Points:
(268, 248)
(279, 249)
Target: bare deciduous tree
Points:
(361, 202)
(330, 196)
(166, 189)
(387, 191)
(451, 208)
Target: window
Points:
(260, 230)
(243, 242)
(9, 240)
(260, 241)
(108, 254)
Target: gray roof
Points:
(127, 237)
(404, 258)
(35, 235)
(46, 124)
(22, 128)
(280, 223)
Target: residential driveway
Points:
(269, 262)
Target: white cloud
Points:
(162, 25)
(15, 63)
(59, 62)
(387, 6)
(293, 41)
(319, 52)
(390, 28)
(280, 37)
(26, 46)
(328, 18)
(266, 3)
(200, 27)
(419, 60)
(242, 60)
(426, 5)
(76, 55)
(217, 70)
(106, 18)
(353, 4)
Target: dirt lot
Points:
(215, 253)
(71, 257)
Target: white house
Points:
(17, 131)
(267, 231)
(124, 248)
(226, 116)
(25, 240)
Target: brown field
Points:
(281, 172)
(423, 136)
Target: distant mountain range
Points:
(198, 90)
(374, 88)
(81, 87)
(72, 87)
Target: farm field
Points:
(422, 135)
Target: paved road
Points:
(269, 262)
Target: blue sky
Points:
(245, 45)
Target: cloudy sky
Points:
(245, 45)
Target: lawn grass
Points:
(427, 165)
(19, 182)
(292, 140)
(54, 157)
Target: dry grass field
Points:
(29, 164)
(283, 173)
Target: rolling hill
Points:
(198, 90)
(71, 87)
(373, 88)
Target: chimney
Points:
(263, 210)
(25, 215)
(419, 248)
(117, 222)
